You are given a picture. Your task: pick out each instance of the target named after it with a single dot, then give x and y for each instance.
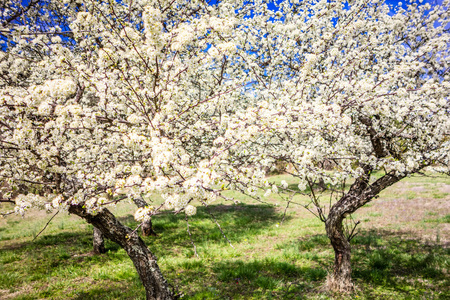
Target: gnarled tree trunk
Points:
(156, 287)
(360, 193)
(341, 279)
(98, 241)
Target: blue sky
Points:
(393, 3)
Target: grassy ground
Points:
(401, 252)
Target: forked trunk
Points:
(156, 287)
(341, 278)
(98, 242)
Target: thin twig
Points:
(287, 205)
(352, 233)
(45, 226)
(7, 201)
(136, 229)
(190, 236)
(226, 198)
(217, 223)
(114, 201)
(6, 214)
(315, 201)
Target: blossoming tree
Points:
(344, 90)
(130, 103)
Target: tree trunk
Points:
(341, 279)
(147, 226)
(321, 185)
(156, 287)
(360, 193)
(98, 242)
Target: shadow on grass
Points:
(78, 240)
(384, 257)
(388, 259)
(69, 238)
(238, 222)
(385, 266)
(268, 277)
(111, 292)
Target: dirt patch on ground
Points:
(418, 216)
(445, 188)
(417, 189)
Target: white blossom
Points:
(190, 210)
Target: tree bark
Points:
(341, 279)
(360, 193)
(98, 242)
(147, 226)
(156, 287)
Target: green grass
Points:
(444, 219)
(392, 257)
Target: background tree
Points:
(131, 107)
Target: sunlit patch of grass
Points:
(438, 195)
(444, 219)
(411, 195)
(374, 214)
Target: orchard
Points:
(110, 101)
